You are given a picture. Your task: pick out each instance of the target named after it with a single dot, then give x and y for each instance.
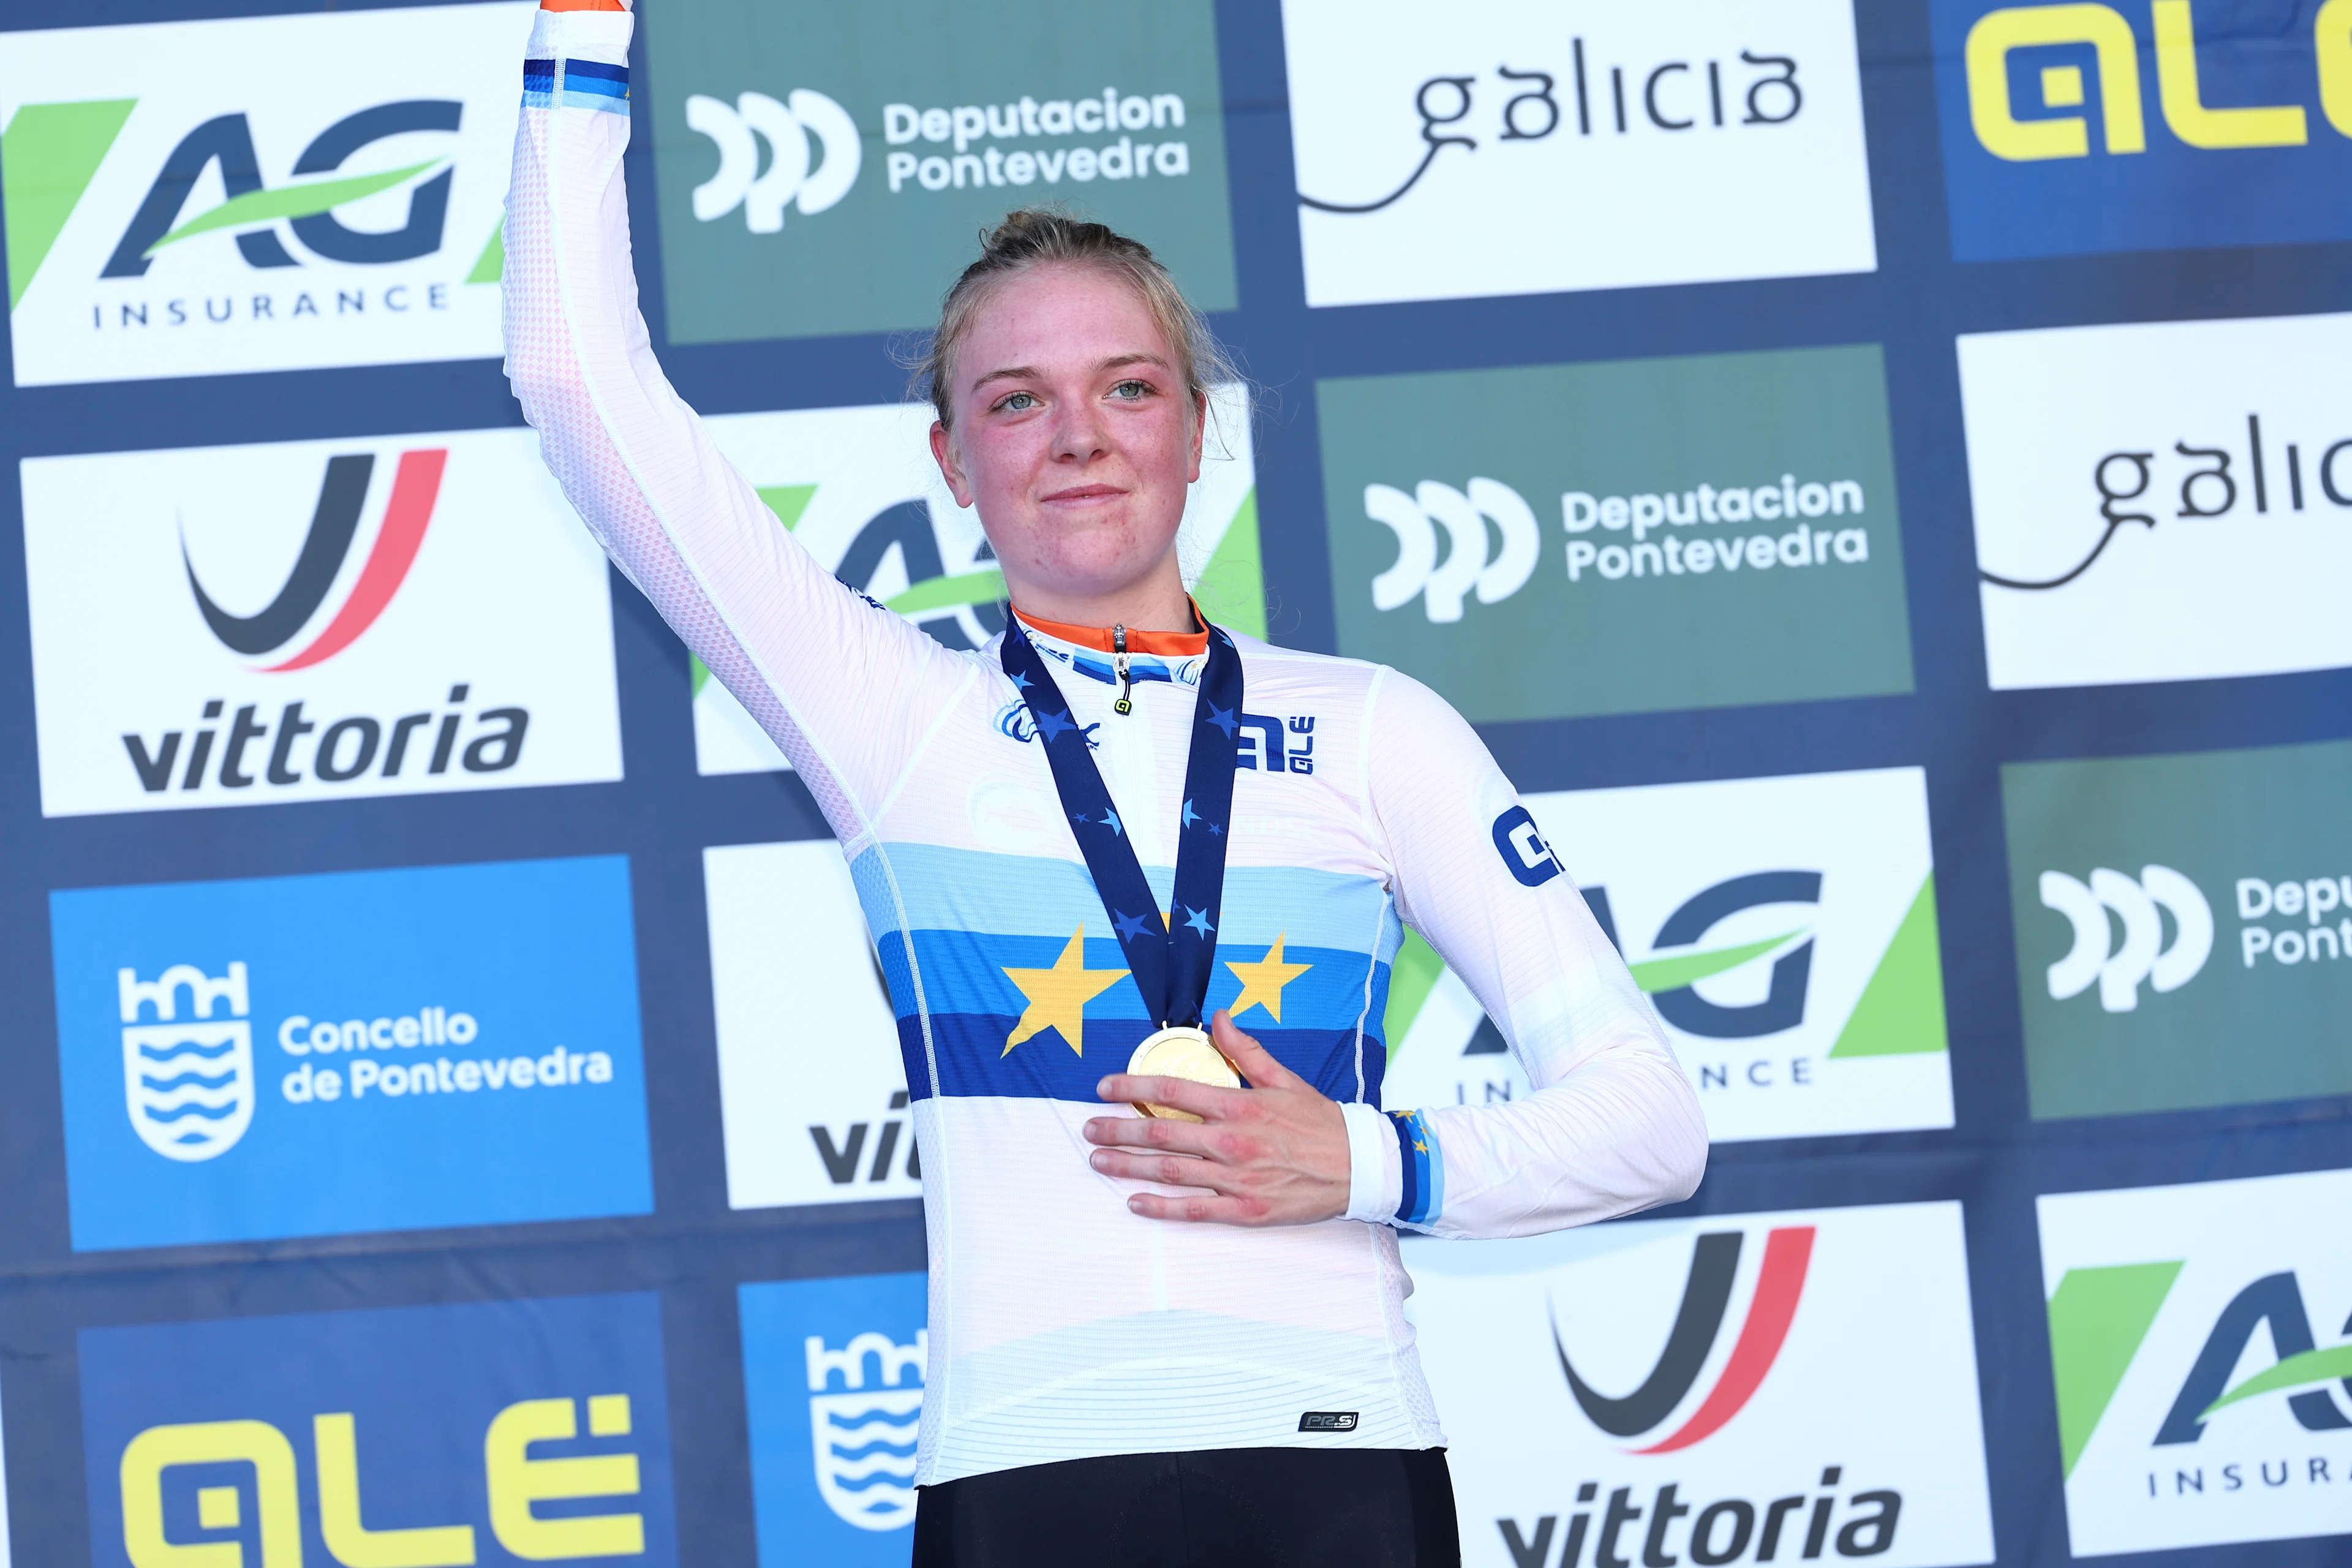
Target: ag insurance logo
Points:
(1573, 145)
(859, 488)
(1784, 928)
(2184, 928)
(415, 1435)
(2143, 124)
(1737, 1388)
(189, 198)
(236, 625)
(2200, 1338)
(360, 1051)
(1510, 536)
(824, 170)
(2161, 501)
(832, 1381)
(812, 1095)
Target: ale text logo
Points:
(415, 1435)
(189, 198)
(1584, 145)
(2143, 124)
(315, 620)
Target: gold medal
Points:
(1183, 1052)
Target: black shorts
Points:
(1229, 1507)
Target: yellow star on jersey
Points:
(1262, 982)
(1057, 998)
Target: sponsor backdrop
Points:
(1877, 472)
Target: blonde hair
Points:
(1037, 237)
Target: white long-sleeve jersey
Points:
(1062, 1326)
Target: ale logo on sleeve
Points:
(496, 1433)
(2143, 124)
(2184, 928)
(1784, 929)
(281, 193)
(813, 1095)
(358, 1051)
(1573, 145)
(824, 170)
(314, 620)
(2200, 1338)
(2162, 500)
(1560, 541)
(1737, 1388)
(859, 488)
(833, 1376)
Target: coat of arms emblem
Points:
(188, 1083)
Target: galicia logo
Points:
(1698, 1321)
(813, 179)
(203, 203)
(2143, 954)
(414, 487)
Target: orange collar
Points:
(1167, 645)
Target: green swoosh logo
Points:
(981, 587)
(291, 201)
(2310, 1366)
(1673, 973)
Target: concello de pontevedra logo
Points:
(1698, 1322)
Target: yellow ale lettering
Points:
(2272, 125)
(255, 1443)
(1990, 111)
(517, 1481)
(352, 1543)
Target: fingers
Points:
(1257, 1063)
(1182, 1094)
(1205, 1210)
(1167, 1170)
(1160, 1133)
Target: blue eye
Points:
(1132, 390)
(1018, 403)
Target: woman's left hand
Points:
(1273, 1153)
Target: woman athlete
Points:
(1152, 1340)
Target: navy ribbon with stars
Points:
(1172, 962)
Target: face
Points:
(1073, 437)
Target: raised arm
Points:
(1613, 1125)
(846, 688)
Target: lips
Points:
(1081, 494)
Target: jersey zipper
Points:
(1125, 703)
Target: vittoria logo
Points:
(195, 197)
(1788, 941)
(2200, 1338)
(1706, 141)
(1780, 1281)
(371, 1050)
(1814, 1398)
(308, 621)
(858, 487)
(2160, 501)
(832, 1379)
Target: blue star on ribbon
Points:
(1198, 920)
(1216, 829)
(1053, 725)
(1190, 816)
(1130, 926)
(1021, 683)
(1222, 718)
(1110, 820)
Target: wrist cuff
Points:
(1373, 1174)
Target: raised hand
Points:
(1273, 1153)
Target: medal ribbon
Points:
(1171, 961)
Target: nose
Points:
(1080, 434)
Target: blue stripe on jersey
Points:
(539, 84)
(1424, 1170)
(582, 73)
(972, 889)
